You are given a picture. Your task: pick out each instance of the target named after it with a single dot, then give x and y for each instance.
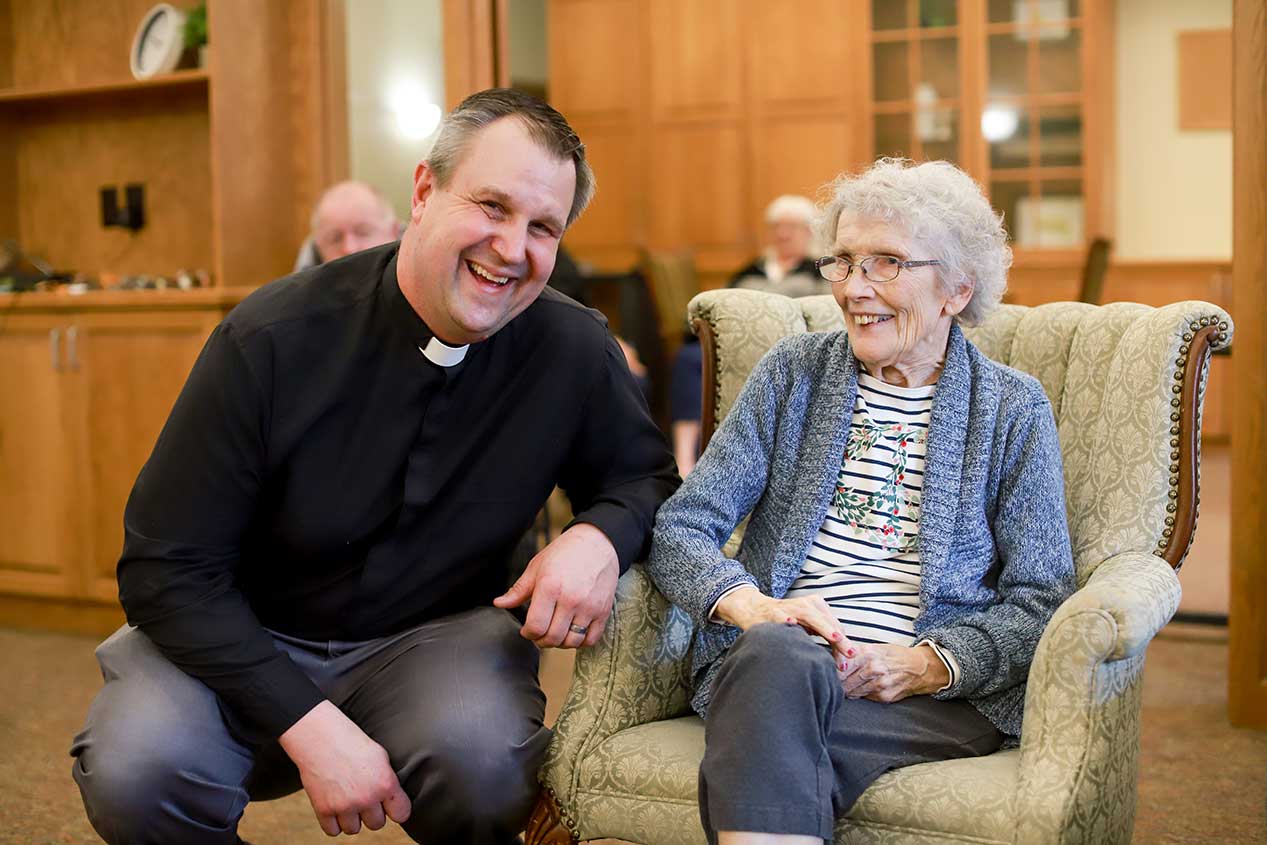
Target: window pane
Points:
(891, 73)
(1053, 220)
(1006, 129)
(888, 14)
(1059, 70)
(937, 13)
(1002, 11)
(1055, 10)
(942, 142)
(1007, 197)
(1060, 136)
(939, 66)
(893, 135)
(1007, 66)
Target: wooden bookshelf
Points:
(195, 78)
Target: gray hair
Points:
(548, 128)
(939, 204)
(791, 207)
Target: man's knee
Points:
(135, 795)
(484, 778)
(155, 759)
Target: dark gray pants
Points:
(455, 703)
(787, 752)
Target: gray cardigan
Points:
(994, 546)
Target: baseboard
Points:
(63, 616)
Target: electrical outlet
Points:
(132, 215)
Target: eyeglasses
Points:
(875, 268)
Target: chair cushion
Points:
(658, 763)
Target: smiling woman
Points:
(893, 581)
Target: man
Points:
(350, 216)
(315, 553)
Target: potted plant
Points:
(196, 32)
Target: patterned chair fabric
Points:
(1126, 383)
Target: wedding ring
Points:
(578, 629)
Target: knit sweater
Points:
(994, 545)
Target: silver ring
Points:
(578, 629)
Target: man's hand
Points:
(570, 585)
(888, 673)
(748, 606)
(346, 774)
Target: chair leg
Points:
(545, 825)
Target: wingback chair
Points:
(1126, 384)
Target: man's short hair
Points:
(548, 128)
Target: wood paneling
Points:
(158, 138)
(699, 201)
(1247, 645)
(132, 367)
(257, 185)
(790, 67)
(318, 84)
(595, 62)
(615, 216)
(697, 72)
(469, 49)
(794, 156)
(72, 42)
(37, 496)
(1205, 79)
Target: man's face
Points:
(790, 239)
(351, 219)
(480, 250)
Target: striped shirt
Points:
(865, 558)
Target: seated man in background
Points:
(316, 553)
(349, 217)
(787, 264)
(786, 267)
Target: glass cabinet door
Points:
(1032, 120)
(997, 87)
(916, 79)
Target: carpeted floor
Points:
(1200, 781)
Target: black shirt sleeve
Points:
(620, 468)
(183, 528)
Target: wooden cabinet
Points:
(231, 156)
(86, 386)
(37, 553)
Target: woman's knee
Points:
(773, 651)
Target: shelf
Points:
(177, 79)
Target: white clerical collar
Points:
(440, 353)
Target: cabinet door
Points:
(38, 515)
(128, 368)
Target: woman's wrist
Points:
(736, 607)
(936, 673)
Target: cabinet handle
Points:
(72, 348)
(55, 349)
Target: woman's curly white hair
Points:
(939, 205)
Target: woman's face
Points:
(898, 329)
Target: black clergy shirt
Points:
(319, 477)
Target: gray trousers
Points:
(785, 751)
(455, 703)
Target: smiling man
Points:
(316, 554)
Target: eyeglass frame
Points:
(826, 260)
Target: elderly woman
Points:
(907, 541)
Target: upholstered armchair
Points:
(1126, 384)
